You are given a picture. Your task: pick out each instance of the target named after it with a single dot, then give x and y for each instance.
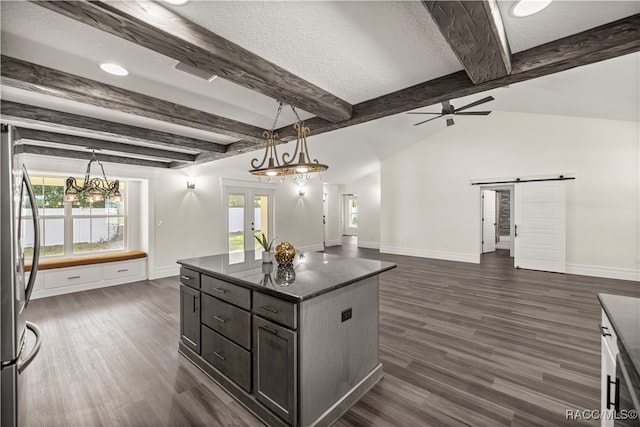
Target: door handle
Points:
(273, 331)
(23, 363)
(605, 331)
(616, 401)
(36, 236)
(515, 234)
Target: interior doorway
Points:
(536, 233)
(350, 215)
(497, 215)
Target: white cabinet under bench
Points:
(63, 276)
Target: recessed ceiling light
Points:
(524, 8)
(114, 69)
(176, 2)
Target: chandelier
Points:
(92, 189)
(274, 166)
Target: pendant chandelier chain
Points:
(275, 121)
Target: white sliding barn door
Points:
(540, 226)
(488, 221)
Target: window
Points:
(353, 213)
(78, 228)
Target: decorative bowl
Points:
(285, 252)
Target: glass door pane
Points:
(236, 206)
(261, 222)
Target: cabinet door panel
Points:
(274, 368)
(190, 317)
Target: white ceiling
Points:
(356, 50)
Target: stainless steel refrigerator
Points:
(16, 199)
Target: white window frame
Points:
(68, 218)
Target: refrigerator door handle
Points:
(36, 236)
(23, 363)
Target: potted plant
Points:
(266, 246)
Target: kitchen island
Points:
(297, 345)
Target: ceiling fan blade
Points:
(425, 121)
(425, 112)
(450, 122)
(473, 104)
(473, 113)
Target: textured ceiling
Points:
(357, 50)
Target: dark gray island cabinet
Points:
(297, 345)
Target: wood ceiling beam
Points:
(99, 144)
(24, 115)
(475, 33)
(36, 78)
(84, 155)
(157, 28)
(607, 41)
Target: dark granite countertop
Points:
(311, 274)
(624, 314)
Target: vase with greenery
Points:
(266, 246)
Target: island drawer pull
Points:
(220, 290)
(220, 319)
(73, 277)
(268, 308)
(123, 270)
(605, 331)
(273, 331)
(219, 356)
(186, 277)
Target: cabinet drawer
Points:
(71, 276)
(230, 321)
(190, 277)
(283, 312)
(236, 295)
(122, 269)
(227, 357)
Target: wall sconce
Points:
(191, 183)
(301, 192)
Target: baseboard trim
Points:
(368, 245)
(336, 242)
(422, 253)
(162, 272)
(605, 272)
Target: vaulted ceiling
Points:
(339, 63)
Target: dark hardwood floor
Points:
(461, 344)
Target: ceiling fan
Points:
(450, 110)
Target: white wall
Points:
(189, 223)
(299, 218)
(368, 190)
(430, 209)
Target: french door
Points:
(249, 212)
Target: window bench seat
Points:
(86, 260)
(67, 275)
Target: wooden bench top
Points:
(48, 264)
